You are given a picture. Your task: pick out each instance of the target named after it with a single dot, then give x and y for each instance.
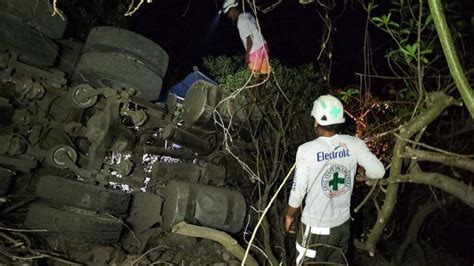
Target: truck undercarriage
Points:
(83, 141)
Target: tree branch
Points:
(455, 68)
(439, 102)
(456, 161)
(266, 210)
(458, 189)
(417, 143)
(222, 238)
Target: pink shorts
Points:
(259, 60)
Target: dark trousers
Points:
(313, 247)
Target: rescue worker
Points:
(256, 48)
(324, 177)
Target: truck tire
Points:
(111, 39)
(6, 177)
(33, 47)
(60, 191)
(36, 14)
(76, 226)
(118, 70)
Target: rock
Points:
(102, 255)
(226, 256)
(234, 263)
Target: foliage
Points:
(279, 121)
(410, 52)
(348, 93)
(419, 82)
(405, 36)
(415, 52)
(415, 57)
(299, 86)
(304, 83)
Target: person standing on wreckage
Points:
(256, 48)
(325, 170)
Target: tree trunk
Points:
(439, 102)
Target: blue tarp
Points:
(182, 87)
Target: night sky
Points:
(293, 32)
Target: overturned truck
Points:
(81, 131)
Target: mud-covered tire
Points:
(118, 70)
(33, 47)
(6, 177)
(60, 191)
(111, 39)
(36, 14)
(73, 225)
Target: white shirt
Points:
(325, 170)
(247, 26)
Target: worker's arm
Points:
(298, 190)
(249, 48)
(373, 167)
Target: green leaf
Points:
(396, 25)
(406, 50)
(428, 20)
(414, 48)
(386, 18)
(426, 51)
(372, 6)
(379, 25)
(377, 19)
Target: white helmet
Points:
(228, 4)
(328, 110)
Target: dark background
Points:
(294, 32)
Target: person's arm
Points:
(374, 168)
(298, 190)
(249, 48)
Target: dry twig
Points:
(57, 11)
(265, 212)
(131, 10)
